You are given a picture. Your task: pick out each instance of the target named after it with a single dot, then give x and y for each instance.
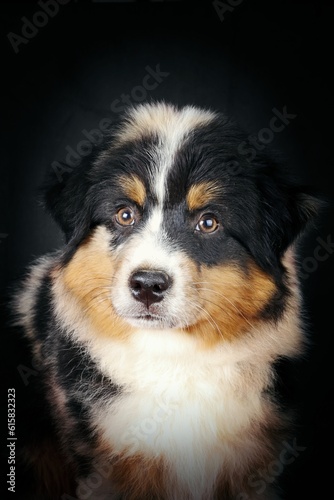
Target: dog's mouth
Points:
(150, 319)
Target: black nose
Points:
(149, 286)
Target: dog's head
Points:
(169, 224)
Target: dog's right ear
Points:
(65, 195)
(67, 190)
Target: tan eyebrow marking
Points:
(133, 188)
(201, 194)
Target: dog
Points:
(157, 327)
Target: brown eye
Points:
(207, 224)
(125, 216)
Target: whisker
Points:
(212, 323)
(93, 302)
(228, 300)
(101, 289)
(95, 278)
(108, 309)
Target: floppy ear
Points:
(288, 208)
(68, 200)
(289, 211)
(281, 210)
(66, 194)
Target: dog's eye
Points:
(207, 224)
(125, 216)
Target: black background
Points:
(262, 55)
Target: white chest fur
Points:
(186, 404)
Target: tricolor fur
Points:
(157, 327)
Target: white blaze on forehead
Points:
(153, 224)
(170, 125)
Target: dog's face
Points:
(169, 226)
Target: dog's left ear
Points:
(289, 209)
(281, 211)
(302, 205)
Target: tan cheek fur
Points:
(88, 278)
(231, 301)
